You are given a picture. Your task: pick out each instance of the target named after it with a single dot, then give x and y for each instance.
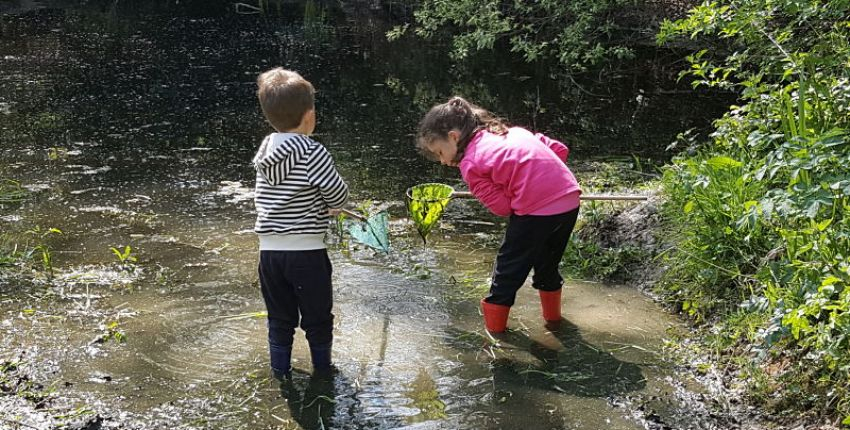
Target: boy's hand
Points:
(334, 212)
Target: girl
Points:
(514, 173)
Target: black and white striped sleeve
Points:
(323, 175)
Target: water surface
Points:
(136, 125)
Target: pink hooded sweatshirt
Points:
(519, 173)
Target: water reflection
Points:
(134, 123)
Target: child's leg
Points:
(312, 280)
(546, 276)
(521, 248)
(519, 251)
(282, 309)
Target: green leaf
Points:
(723, 162)
(689, 206)
(824, 224)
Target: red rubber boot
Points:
(495, 316)
(551, 303)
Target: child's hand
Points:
(334, 212)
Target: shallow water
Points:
(136, 127)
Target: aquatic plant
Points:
(426, 398)
(11, 191)
(126, 261)
(111, 331)
(43, 248)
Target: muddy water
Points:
(136, 127)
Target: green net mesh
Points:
(426, 203)
(374, 232)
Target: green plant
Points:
(576, 34)
(43, 248)
(586, 259)
(125, 258)
(111, 331)
(770, 237)
(10, 254)
(11, 191)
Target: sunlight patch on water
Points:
(235, 192)
(97, 275)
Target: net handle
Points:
(468, 195)
(353, 214)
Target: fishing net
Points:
(426, 203)
(373, 232)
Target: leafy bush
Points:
(575, 34)
(760, 210)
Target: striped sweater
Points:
(296, 185)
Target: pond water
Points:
(136, 126)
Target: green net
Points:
(374, 232)
(426, 203)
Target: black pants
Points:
(531, 242)
(296, 287)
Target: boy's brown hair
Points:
(285, 97)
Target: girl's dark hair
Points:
(456, 114)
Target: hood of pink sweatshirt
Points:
(520, 173)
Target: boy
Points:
(297, 184)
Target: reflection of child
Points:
(516, 174)
(296, 184)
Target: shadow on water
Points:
(570, 365)
(313, 399)
(557, 360)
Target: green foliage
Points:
(113, 332)
(43, 248)
(11, 191)
(14, 380)
(426, 203)
(576, 34)
(761, 213)
(10, 253)
(126, 259)
(20, 251)
(586, 259)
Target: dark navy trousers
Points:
(296, 287)
(531, 242)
